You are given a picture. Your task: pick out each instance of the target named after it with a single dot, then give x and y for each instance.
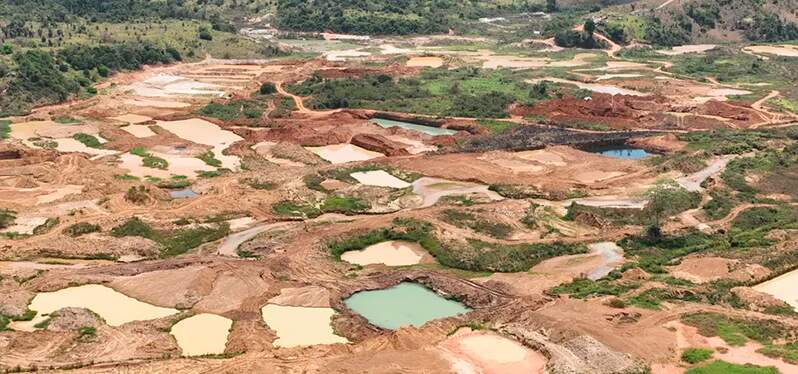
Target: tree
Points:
(267, 88)
(551, 6)
(7, 49)
(590, 27)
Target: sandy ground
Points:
(343, 153)
(433, 189)
(178, 165)
(432, 62)
(139, 131)
(778, 50)
(683, 49)
(390, 253)
(132, 118)
(202, 334)
(480, 352)
(599, 88)
(708, 269)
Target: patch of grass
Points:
(7, 218)
(233, 109)
(259, 184)
(723, 367)
(176, 182)
(48, 225)
(313, 182)
(696, 355)
(209, 174)
(582, 288)
(66, 120)
(81, 228)
(735, 331)
(471, 221)
(648, 299)
(5, 128)
(497, 127)
(90, 141)
(295, 209)
(43, 324)
(149, 160)
(126, 177)
(172, 242)
(210, 159)
(473, 256)
(724, 142)
(87, 331)
(343, 205)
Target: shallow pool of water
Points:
(202, 334)
(620, 151)
(114, 307)
(185, 193)
(429, 130)
(403, 305)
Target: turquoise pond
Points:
(429, 130)
(403, 305)
(619, 151)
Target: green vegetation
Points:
(259, 184)
(267, 88)
(343, 205)
(665, 199)
(723, 367)
(87, 332)
(475, 255)
(470, 220)
(210, 159)
(6, 319)
(497, 127)
(409, 17)
(7, 218)
(735, 331)
(148, 159)
(583, 288)
(90, 141)
(696, 355)
(66, 120)
(5, 128)
(48, 225)
(233, 109)
(464, 92)
(172, 242)
(174, 183)
(579, 39)
(81, 228)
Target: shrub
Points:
(210, 159)
(81, 228)
(88, 140)
(267, 88)
(7, 218)
(696, 355)
(138, 195)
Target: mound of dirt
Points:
(758, 301)
(379, 143)
(708, 269)
(71, 319)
